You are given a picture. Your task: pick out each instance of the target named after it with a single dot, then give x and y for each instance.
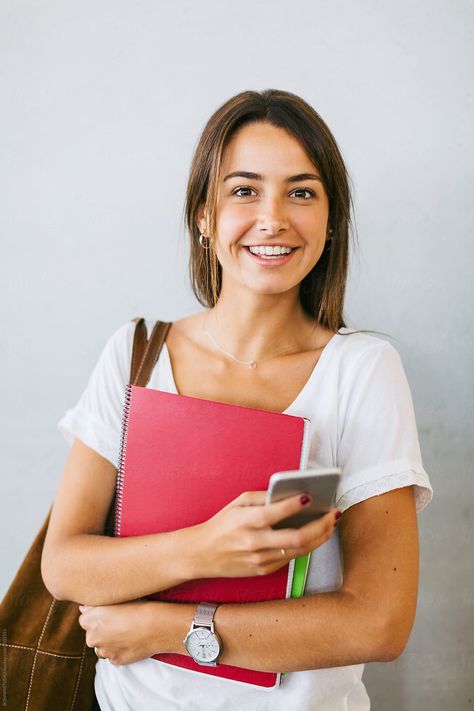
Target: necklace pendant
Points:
(252, 364)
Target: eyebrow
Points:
(256, 176)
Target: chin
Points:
(270, 290)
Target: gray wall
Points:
(102, 103)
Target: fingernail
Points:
(338, 515)
(304, 499)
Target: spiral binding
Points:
(121, 461)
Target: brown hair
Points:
(322, 290)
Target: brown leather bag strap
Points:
(140, 340)
(151, 354)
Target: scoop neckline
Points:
(318, 367)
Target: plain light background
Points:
(102, 104)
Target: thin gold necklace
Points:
(250, 363)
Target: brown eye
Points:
(244, 187)
(304, 190)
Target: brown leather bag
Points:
(46, 663)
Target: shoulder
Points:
(362, 341)
(117, 351)
(116, 356)
(362, 354)
(359, 346)
(118, 345)
(112, 368)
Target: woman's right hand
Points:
(238, 541)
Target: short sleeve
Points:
(96, 418)
(378, 448)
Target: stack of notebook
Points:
(182, 459)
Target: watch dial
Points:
(203, 645)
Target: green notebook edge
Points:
(300, 572)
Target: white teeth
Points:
(270, 251)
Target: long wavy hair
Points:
(322, 289)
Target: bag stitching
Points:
(36, 652)
(72, 657)
(79, 675)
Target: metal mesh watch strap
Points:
(205, 613)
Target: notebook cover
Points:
(181, 460)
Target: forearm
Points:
(103, 570)
(314, 632)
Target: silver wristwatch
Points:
(202, 641)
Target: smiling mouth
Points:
(269, 258)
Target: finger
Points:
(297, 546)
(279, 510)
(297, 538)
(248, 498)
(270, 560)
(253, 498)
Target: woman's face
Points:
(270, 195)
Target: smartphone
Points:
(320, 484)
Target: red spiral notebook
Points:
(181, 460)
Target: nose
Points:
(272, 218)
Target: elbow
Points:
(51, 576)
(390, 651)
(391, 641)
(382, 635)
(396, 647)
(53, 590)
(63, 582)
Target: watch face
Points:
(202, 644)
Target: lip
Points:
(274, 262)
(279, 244)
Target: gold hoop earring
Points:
(201, 241)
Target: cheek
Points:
(232, 219)
(310, 222)
(313, 229)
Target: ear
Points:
(201, 219)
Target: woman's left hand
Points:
(123, 633)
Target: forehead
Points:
(263, 148)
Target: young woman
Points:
(268, 213)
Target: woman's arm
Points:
(80, 564)
(368, 619)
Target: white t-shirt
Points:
(359, 402)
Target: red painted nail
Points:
(304, 499)
(338, 515)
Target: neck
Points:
(256, 326)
